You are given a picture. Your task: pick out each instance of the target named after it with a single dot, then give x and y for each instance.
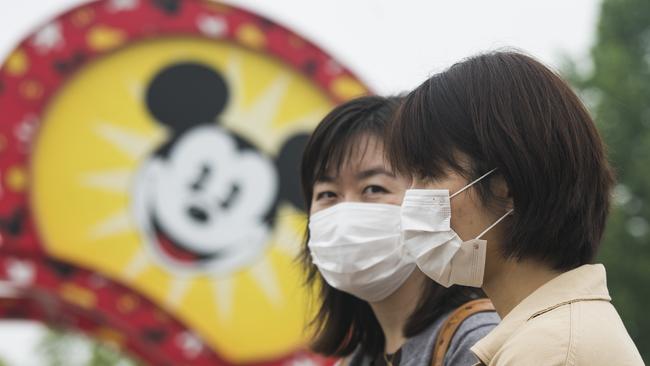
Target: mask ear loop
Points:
(495, 223)
(473, 182)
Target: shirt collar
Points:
(587, 282)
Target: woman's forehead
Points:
(361, 153)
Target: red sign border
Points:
(32, 74)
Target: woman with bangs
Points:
(375, 306)
(511, 188)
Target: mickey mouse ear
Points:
(184, 95)
(288, 164)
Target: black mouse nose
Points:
(198, 214)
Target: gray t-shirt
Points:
(417, 351)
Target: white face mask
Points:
(438, 251)
(358, 249)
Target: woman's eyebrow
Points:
(374, 171)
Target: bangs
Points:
(423, 140)
(342, 149)
(345, 133)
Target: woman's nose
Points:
(352, 197)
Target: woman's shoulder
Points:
(576, 333)
(419, 349)
(589, 332)
(471, 330)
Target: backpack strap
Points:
(450, 326)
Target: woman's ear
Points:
(187, 94)
(501, 192)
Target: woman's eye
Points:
(374, 189)
(325, 195)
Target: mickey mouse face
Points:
(206, 204)
(205, 200)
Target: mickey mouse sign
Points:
(205, 200)
(154, 144)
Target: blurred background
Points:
(601, 46)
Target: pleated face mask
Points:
(429, 239)
(357, 248)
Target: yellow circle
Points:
(251, 36)
(78, 295)
(17, 63)
(31, 89)
(102, 38)
(127, 303)
(17, 179)
(94, 136)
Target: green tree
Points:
(617, 89)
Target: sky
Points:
(392, 45)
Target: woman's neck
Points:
(515, 280)
(394, 311)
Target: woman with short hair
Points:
(500, 142)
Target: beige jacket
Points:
(568, 321)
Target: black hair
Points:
(506, 110)
(344, 322)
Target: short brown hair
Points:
(506, 110)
